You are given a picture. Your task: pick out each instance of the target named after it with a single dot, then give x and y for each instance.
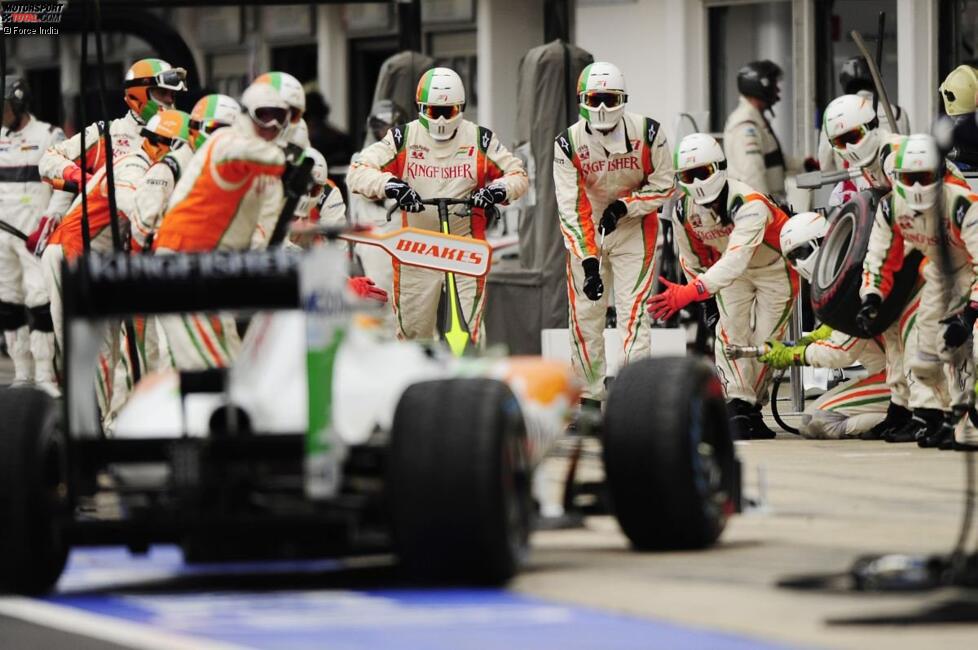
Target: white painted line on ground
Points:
(875, 454)
(104, 628)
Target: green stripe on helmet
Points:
(582, 80)
(158, 64)
(425, 86)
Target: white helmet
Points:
(850, 126)
(298, 134)
(441, 101)
(265, 106)
(915, 171)
(800, 239)
(320, 174)
(601, 95)
(701, 167)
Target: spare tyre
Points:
(839, 268)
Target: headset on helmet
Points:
(851, 128)
(210, 113)
(801, 237)
(146, 74)
(601, 95)
(759, 79)
(855, 76)
(441, 102)
(916, 171)
(701, 167)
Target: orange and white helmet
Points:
(266, 107)
(289, 88)
(441, 102)
(210, 113)
(602, 95)
(165, 131)
(146, 74)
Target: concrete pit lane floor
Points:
(819, 506)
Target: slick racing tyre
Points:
(669, 459)
(459, 482)
(33, 492)
(839, 269)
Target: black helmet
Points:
(17, 92)
(854, 76)
(759, 79)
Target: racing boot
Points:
(966, 432)
(923, 422)
(759, 430)
(896, 417)
(943, 437)
(740, 413)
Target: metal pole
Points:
(797, 389)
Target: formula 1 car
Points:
(326, 440)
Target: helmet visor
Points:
(852, 136)
(700, 173)
(911, 178)
(295, 114)
(268, 116)
(173, 79)
(801, 253)
(206, 127)
(596, 98)
(434, 112)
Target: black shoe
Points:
(759, 430)
(739, 413)
(924, 422)
(896, 417)
(944, 435)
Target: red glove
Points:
(364, 287)
(72, 174)
(676, 296)
(37, 241)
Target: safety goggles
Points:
(295, 115)
(173, 79)
(801, 253)
(206, 127)
(596, 98)
(911, 178)
(316, 189)
(160, 140)
(434, 112)
(269, 116)
(700, 173)
(853, 136)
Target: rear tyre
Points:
(459, 482)
(33, 492)
(668, 455)
(839, 269)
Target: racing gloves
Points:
(609, 219)
(593, 286)
(868, 313)
(72, 174)
(37, 241)
(486, 197)
(820, 333)
(665, 305)
(407, 199)
(364, 287)
(781, 356)
(958, 327)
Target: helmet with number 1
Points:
(441, 102)
(320, 174)
(701, 167)
(210, 113)
(851, 128)
(915, 172)
(801, 237)
(165, 131)
(601, 95)
(146, 75)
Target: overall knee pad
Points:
(13, 316)
(39, 318)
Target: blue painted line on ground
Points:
(335, 619)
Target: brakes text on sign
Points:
(442, 252)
